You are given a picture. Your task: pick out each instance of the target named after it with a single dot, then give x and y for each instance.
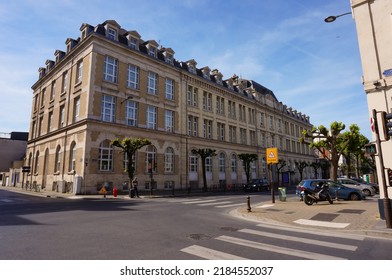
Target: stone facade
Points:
(112, 84)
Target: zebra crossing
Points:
(265, 241)
(225, 202)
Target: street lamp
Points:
(333, 18)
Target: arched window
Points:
(169, 160)
(151, 159)
(57, 161)
(36, 164)
(105, 156)
(233, 163)
(222, 162)
(72, 157)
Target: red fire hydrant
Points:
(115, 192)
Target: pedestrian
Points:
(134, 183)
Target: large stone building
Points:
(109, 83)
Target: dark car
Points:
(257, 185)
(343, 192)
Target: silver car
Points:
(366, 189)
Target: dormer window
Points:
(152, 51)
(206, 73)
(169, 59)
(191, 66)
(112, 34)
(192, 69)
(133, 43)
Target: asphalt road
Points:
(42, 228)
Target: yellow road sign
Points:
(272, 155)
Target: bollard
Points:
(115, 192)
(248, 201)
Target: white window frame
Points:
(169, 160)
(110, 69)
(152, 83)
(133, 76)
(108, 106)
(169, 89)
(105, 160)
(151, 117)
(169, 121)
(131, 110)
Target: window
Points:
(193, 163)
(261, 119)
(76, 109)
(64, 82)
(192, 96)
(133, 76)
(207, 101)
(220, 105)
(169, 121)
(50, 121)
(62, 116)
(53, 90)
(131, 113)
(72, 157)
(207, 129)
(232, 111)
(57, 162)
(151, 117)
(169, 160)
(40, 125)
(107, 108)
(152, 51)
(208, 163)
(133, 43)
(242, 113)
(252, 135)
(232, 134)
(243, 138)
(112, 34)
(43, 97)
(221, 131)
(105, 160)
(151, 159)
(36, 165)
(152, 83)
(110, 69)
(233, 163)
(79, 71)
(222, 162)
(169, 89)
(271, 122)
(193, 126)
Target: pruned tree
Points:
(329, 142)
(247, 159)
(301, 165)
(279, 166)
(315, 165)
(203, 154)
(129, 146)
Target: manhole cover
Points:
(325, 217)
(273, 210)
(228, 228)
(352, 211)
(199, 236)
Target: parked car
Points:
(257, 185)
(343, 192)
(366, 189)
(362, 181)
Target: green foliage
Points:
(129, 146)
(331, 143)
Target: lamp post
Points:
(333, 18)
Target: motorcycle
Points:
(319, 194)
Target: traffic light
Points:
(390, 177)
(370, 149)
(387, 123)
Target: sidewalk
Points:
(355, 217)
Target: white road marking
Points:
(210, 254)
(277, 249)
(265, 205)
(230, 205)
(321, 223)
(198, 201)
(301, 240)
(315, 232)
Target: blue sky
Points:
(285, 45)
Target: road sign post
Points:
(272, 158)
